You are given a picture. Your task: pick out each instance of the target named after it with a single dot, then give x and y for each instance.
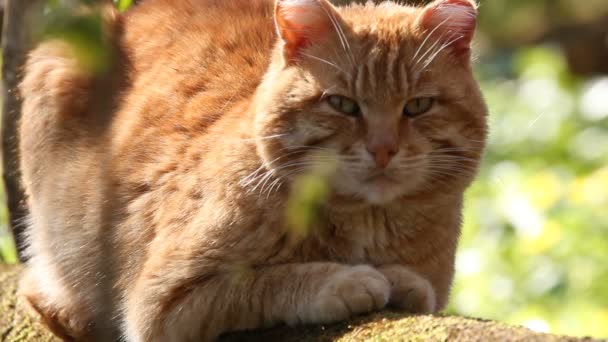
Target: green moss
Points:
(17, 325)
(392, 326)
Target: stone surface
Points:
(17, 325)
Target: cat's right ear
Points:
(301, 23)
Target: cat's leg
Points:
(409, 290)
(166, 305)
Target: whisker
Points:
(476, 141)
(248, 179)
(448, 151)
(277, 182)
(536, 120)
(341, 35)
(324, 61)
(443, 47)
(261, 179)
(427, 38)
(445, 176)
(267, 178)
(326, 91)
(414, 158)
(451, 172)
(269, 137)
(451, 159)
(459, 162)
(428, 51)
(451, 149)
(451, 168)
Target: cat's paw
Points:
(409, 291)
(350, 291)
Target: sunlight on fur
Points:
(247, 164)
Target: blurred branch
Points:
(15, 44)
(585, 45)
(2, 4)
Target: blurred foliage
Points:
(312, 191)
(8, 253)
(123, 5)
(535, 235)
(534, 248)
(522, 20)
(80, 25)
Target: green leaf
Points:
(123, 5)
(84, 32)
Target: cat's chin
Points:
(364, 195)
(380, 197)
(371, 191)
(381, 191)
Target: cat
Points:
(158, 191)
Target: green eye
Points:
(418, 106)
(344, 105)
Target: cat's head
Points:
(384, 91)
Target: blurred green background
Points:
(534, 249)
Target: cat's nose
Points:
(383, 152)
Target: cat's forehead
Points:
(383, 19)
(383, 54)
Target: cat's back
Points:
(188, 62)
(170, 25)
(179, 66)
(198, 45)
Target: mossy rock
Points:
(17, 325)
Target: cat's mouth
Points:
(380, 177)
(380, 187)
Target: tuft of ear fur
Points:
(454, 21)
(301, 23)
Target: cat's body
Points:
(160, 202)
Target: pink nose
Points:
(383, 153)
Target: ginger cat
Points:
(157, 193)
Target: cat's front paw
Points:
(349, 291)
(409, 291)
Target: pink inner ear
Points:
(453, 20)
(301, 23)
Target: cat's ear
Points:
(301, 23)
(452, 21)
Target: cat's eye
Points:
(344, 105)
(418, 106)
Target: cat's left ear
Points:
(301, 23)
(453, 21)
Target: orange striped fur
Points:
(162, 187)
